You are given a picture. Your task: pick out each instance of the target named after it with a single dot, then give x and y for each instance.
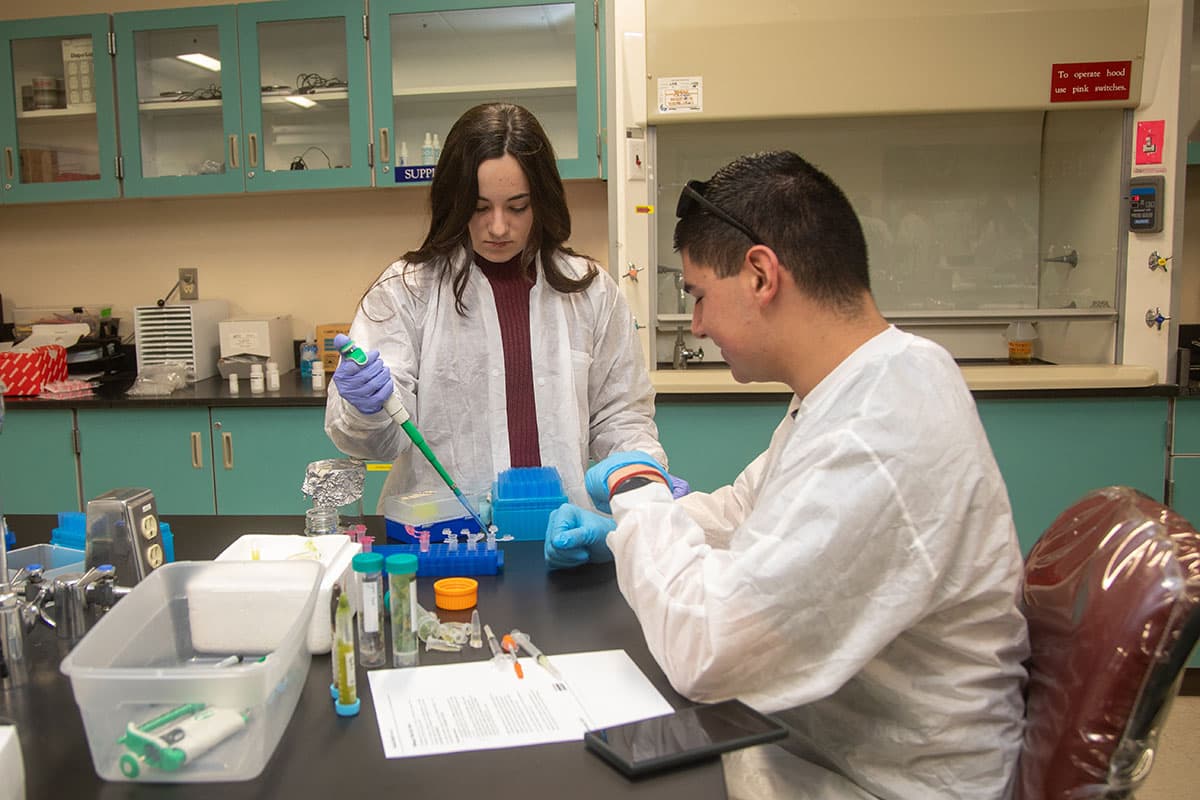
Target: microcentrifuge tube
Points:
(423, 538)
(491, 540)
(451, 541)
(470, 541)
(476, 635)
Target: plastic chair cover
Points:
(1111, 594)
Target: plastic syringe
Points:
(523, 639)
(395, 409)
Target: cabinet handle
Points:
(227, 449)
(197, 451)
(253, 147)
(233, 151)
(8, 164)
(385, 152)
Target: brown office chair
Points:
(1112, 596)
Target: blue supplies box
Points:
(522, 500)
(434, 511)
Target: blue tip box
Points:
(522, 500)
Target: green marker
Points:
(395, 409)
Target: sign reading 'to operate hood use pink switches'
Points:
(1090, 81)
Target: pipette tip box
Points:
(523, 499)
(441, 562)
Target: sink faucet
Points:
(682, 354)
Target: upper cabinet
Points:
(57, 118)
(256, 97)
(431, 60)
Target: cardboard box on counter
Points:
(24, 374)
(325, 349)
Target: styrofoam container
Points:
(55, 560)
(142, 662)
(334, 552)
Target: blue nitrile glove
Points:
(575, 537)
(679, 487)
(596, 479)
(366, 387)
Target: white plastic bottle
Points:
(318, 375)
(257, 384)
(233, 383)
(427, 149)
(272, 376)
(437, 149)
(402, 154)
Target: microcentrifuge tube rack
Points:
(441, 561)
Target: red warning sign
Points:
(1090, 81)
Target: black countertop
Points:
(295, 391)
(324, 757)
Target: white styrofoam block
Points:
(334, 552)
(12, 767)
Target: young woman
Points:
(507, 348)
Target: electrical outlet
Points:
(189, 285)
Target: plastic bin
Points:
(55, 560)
(433, 511)
(523, 499)
(161, 700)
(334, 551)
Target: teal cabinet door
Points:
(262, 455)
(708, 444)
(1052, 452)
(304, 94)
(58, 127)
(166, 450)
(431, 60)
(37, 462)
(179, 100)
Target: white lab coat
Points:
(859, 580)
(591, 390)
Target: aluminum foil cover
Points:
(334, 482)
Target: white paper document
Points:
(453, 708)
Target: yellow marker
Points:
(643, 209)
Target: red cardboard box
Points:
(26, 373)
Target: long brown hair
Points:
(485, 132)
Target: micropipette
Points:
(538, 656)
(395, 409)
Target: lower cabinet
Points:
(262, 455)
(166, 450)
(1050, 452)
(37, 462)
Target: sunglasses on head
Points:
(693, 195)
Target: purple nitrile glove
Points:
(366, 387)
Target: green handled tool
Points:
(395, 409)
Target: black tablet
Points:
(688, 735)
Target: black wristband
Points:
(633, 482)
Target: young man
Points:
(860, 578)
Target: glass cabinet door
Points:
(178, 89)
(431, 61)
(57, 129)
(304, 78)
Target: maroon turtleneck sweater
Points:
(511, 290)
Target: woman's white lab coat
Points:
(859, 579)
(591, 390)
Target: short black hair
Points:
(797, 210)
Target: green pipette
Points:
(395, 409)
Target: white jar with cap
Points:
(272, 376)
(257, 383)
(318, 375)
